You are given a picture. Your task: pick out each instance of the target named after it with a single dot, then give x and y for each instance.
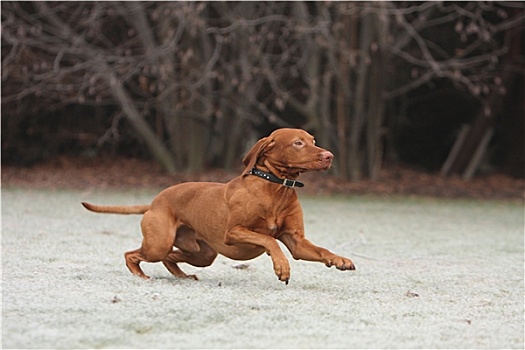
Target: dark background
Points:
(191, 86)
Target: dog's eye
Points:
(313, 142)
(298, 143)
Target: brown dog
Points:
(240, 219)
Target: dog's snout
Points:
(327, 156)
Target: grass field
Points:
(430, 274)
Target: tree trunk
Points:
(357, 123)
(348, 48)
(140, 125)
(376, 104)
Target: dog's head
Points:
(287, 153)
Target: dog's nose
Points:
(327, 156)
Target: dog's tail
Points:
(131, 209)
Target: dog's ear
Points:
(262, 146)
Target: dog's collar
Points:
(272, 178)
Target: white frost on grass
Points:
(430, 274)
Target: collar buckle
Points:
(289, 183)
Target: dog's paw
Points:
(282, 270)
(192, 277)
(340, 263)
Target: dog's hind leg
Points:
(133, 259)
(158, 231)
(202, 257)
(175, 269)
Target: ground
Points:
(123, 173)
(430, 273)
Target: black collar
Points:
(272, 178)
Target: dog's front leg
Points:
(303, 249)
(241, 235)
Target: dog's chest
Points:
(270, 225)
(267, 211)
(273, 225)
(269, 221)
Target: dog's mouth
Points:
(319, 164)
(315, 165)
